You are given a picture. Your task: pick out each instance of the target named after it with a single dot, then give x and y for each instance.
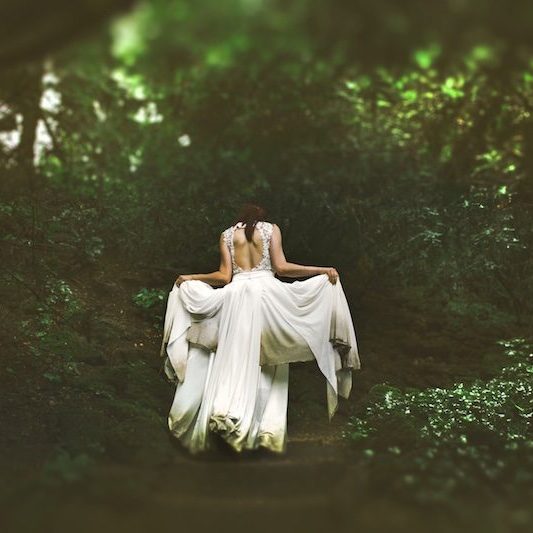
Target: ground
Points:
(87, 447)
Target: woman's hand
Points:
(181, 278)
(332, 274)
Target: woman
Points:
(228, 349)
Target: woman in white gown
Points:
(228, 349)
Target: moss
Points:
(82, 428)
(137, 435)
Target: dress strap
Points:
(265, 230)
(227, 235)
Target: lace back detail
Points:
(265, 230)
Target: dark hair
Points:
(250, 214)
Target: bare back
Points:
(249, 255)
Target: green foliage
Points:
(418, 167)
(66, 468)
(381, 142)
(59, 294)
(471, 436)
(425, 57)
(54, 378)
(146, 299)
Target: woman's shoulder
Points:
(229, 228)
(271, 226)
(226, 235)
(265, 223)
(268, 224)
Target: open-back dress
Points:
(228, 351)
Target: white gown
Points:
(228, 351)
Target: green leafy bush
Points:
(146, 299)
(474, 436)
(66, 468)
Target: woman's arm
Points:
(293, 270)
(221, 277)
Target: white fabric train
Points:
(228, 351)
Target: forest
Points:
(391, 140)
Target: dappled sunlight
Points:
(391, 140)
(453, 439)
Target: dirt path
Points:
(314, 487)
(116, 401)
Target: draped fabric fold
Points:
(228, 352)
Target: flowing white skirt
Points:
(228, 351)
